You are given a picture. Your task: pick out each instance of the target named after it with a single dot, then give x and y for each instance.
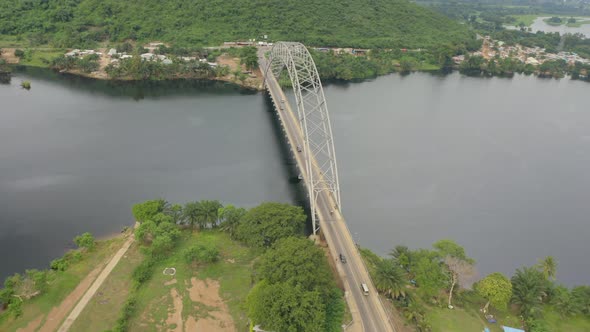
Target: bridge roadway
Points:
(368, 313)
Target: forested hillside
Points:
(354, 23)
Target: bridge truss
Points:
(312, 112)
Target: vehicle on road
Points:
(298, 148)
(342, 259)
(365, 289)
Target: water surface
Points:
(499, 165)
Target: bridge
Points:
(309, 134)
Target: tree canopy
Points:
(352, 23)
(268, 222)
(496, 288)
(284, 307)
(148, 209)
(298, 261)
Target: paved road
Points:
(368, 313)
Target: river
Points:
(540, 25)
(499, 165)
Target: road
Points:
(368, 313)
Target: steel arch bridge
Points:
(312, 111)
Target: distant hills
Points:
(354, 23)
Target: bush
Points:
(62, 264)
(161, 246)
(59, 264)
(126, 313)
(143, 272)
(85, 240)
(19, 53)
(201, 254)
(15, 308)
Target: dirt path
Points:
(32, 326)
(95, 286)
(207, 293)
(8, 55)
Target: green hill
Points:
(354, 23)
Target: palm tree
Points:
(208, 213)
(191, 213)
(548, 266)
(564, 301)
(390, 278)
(402, 255)
(528, 289)
(397, 251)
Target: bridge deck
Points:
(367, 311)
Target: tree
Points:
(429, 276)
(249, 57)
(286, 308)
(161, 218)
(161, 246)
(528, 289)
(146, 231)
(191, 213)
(146, 210)
(461, 271)
(390, 278)
(564, 302)
(295, 260)
(175, 211)
(85, 240)
(496, 288)
(402, 254)
(581, 296)
(208, 213)
(230, 219)
(548, 266)
(204, 213)
(263, 225)
(452, 249)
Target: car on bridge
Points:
(342, 259)
(298, 148)
(365, 289)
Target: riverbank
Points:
(59, 290)
(231, 70)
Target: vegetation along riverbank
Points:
(223, 268)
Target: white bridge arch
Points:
(312, 112)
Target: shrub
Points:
(126, 312)
(62, 263)
(19, 53)
(15, 308)
(161, 246)
(85, 240)
(201, 254)
(59, 264)
(143, 272)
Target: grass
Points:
(11, 41)
(578, 23)
(61, 284)
(527, 19)
(154, 298)
(470, 319)
(557, 323)
(40, 57)
(457, 320)
(102, 311)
